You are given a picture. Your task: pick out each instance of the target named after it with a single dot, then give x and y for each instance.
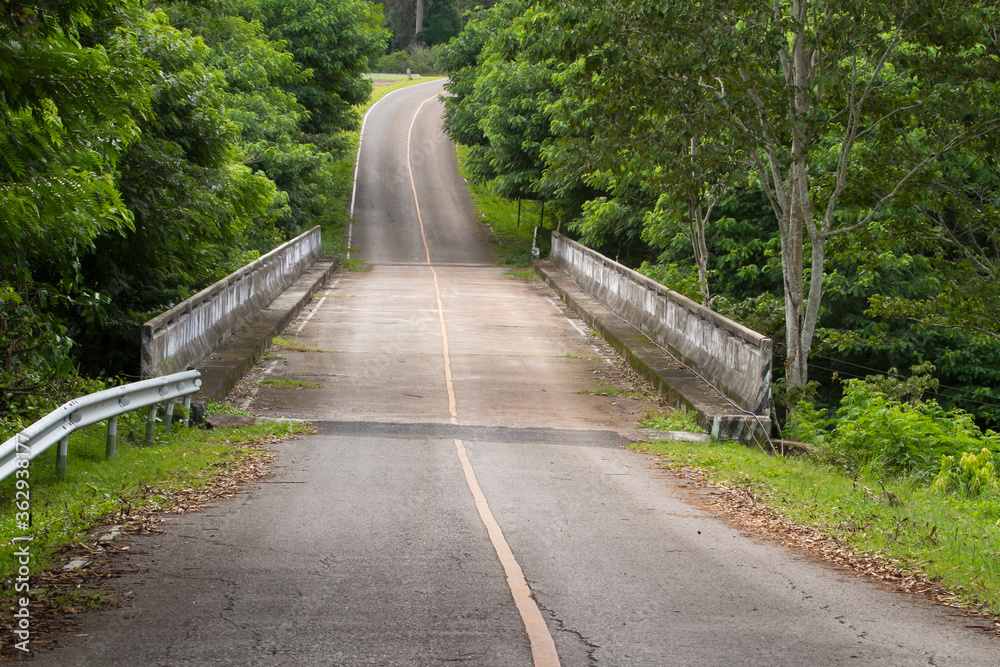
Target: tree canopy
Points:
(151, 149)
(820, 168)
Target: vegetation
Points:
(148, 151)
(821, 171)
(511, 232)
(287, 383)
(674, 421)
(897, 487)
(805, 169)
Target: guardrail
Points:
(58, 425)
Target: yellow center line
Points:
(452, 401)
(543, 648)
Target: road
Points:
(467, 499)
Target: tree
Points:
(500, 106)
(69, 107)
(838, 104)
(335, 40)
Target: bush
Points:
(886, 435)
(974, 476)
(394, 63)
(419, 60)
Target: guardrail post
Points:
(62, 453)
(151, 422)
(168, 420)
(187, 410)
(109, 451)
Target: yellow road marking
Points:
(543, 648)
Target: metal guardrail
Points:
(57, 426)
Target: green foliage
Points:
(884, 426)
(675, 421)
(418, 60)
(682, 133)
(974, 476)
(337, 41)
(149, 151)
(809, 424)
(512, 242)
(67, 109)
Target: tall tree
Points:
(69, 107)
(839, 104)
(335, 40)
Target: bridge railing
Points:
(735, 359)
(188, 332)
(56, 427)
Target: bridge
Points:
(467, 497)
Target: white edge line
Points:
(253, 391)
(578, 328)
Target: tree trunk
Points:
(420, 18)
(699, 220)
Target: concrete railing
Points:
(189, 331)
(733, 358)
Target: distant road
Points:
(467, 499)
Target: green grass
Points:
(674, 421)
(615, 392)
(353, 263)
(947, 539)
(139, 478)
(297, 346)
(287, 383)
(527, 275)
(513, 242)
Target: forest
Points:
(823, 172)
(149, 149)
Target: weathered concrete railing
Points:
(189, 331)
(733, 358)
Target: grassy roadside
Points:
(896, 530)
(178, 471)
(512, 242)
(334, 233)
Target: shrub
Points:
(887, 435)
(974, 476)
(393, 63)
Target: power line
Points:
(882, 372)
(931, 393)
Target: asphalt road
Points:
(460, 447)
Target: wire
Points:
(931, 393)
(883, 372)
